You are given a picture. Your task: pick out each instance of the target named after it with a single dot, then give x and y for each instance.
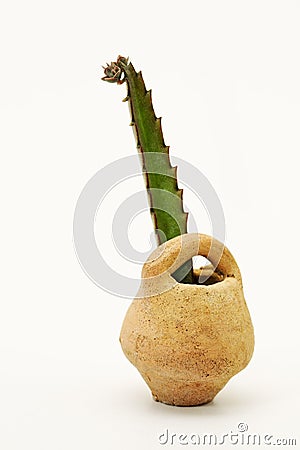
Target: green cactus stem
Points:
(165, 198)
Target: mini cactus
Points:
(165, 199)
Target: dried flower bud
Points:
(114, 72)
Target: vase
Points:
(188, 340)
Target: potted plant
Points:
(187, 332)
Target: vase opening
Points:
(205, 274)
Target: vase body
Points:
(188, 340)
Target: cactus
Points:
(165, 199)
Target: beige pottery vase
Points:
(188, 340)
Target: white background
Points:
(225, 78)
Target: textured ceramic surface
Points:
(186, 340)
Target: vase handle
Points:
(172, 254)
